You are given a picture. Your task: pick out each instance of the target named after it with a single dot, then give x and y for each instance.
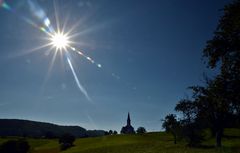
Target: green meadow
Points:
(156, 142)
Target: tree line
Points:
(215, 105)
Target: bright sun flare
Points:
(60, 41)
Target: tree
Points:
(141, 130)
(110, 132)
(15, 146)
(217, 104)
(106, 133)
(171, 125)
(224, 47)
(223, 50)
(66, 141)
(115, 132)
(214, 107)
(190, 125)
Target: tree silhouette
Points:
(66, 141)
(15, 146)
(224, 50)
(221, 97)
(170, 124)
(217, 104)
(190, 125)
(216, 111)
(141, 130)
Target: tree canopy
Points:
(216, 105)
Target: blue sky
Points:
(150, 52)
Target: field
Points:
(146, 143)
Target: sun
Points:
(60, 41)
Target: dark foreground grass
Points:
(146, 143)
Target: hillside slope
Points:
(26, 128)
(146, 143)
(149, 143)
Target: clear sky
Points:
(150, 52)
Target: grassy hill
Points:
(146, 143)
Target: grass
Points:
(146, 143)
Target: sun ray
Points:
(40, 47)
(65, 22)
(50, 49)
(55, 5)
(50, 67)
(27, 52)
(80, 22)
(87, 30)
(73, 27)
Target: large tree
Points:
(213, 107)
(217, 105)
(223, 51)
(221, 98)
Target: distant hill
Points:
(27, 128)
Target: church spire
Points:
(128, 129)
(128, 120)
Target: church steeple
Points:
(128, 129)
(128, 120)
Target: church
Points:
(128, 129)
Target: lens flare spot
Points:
(99, 65)
(5, 5)
(47, 22)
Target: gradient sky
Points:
(150, 50)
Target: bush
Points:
(15, 146)
(66, 141)
(141, 130)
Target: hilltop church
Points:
(128, 129)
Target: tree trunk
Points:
(175, 139)
(219, 138)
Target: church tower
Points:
(128, 120)
(128, 129)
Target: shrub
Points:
(15, 146)
(141, 130)
(66, 141)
